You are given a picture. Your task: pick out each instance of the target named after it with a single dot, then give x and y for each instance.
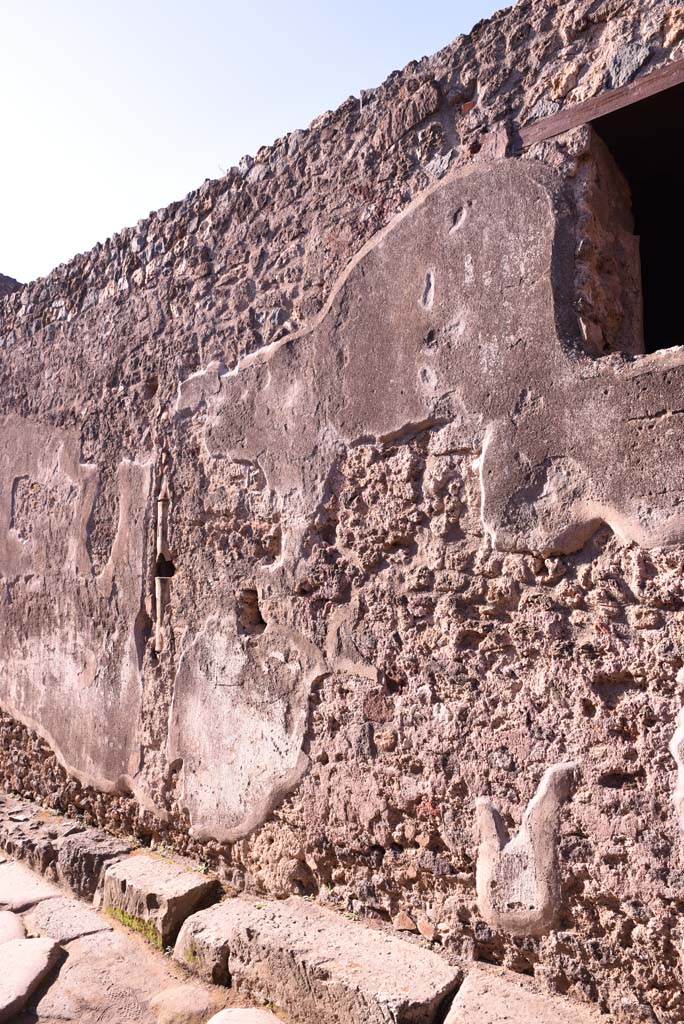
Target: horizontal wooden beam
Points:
(615, 99)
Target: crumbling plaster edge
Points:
(263, 355)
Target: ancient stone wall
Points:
(341, 540)
(7, 285)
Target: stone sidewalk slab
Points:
(493, 995)
(20, 888)
(154, 895)
(316, 964)
(25, 963)
(65, 919)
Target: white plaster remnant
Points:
(518, 880)
(247, 698)
(677, 751)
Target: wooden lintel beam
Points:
(607, 102)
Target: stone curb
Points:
(154, 895)
(316, 964)
(63, 850)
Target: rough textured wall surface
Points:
(341, 539)
(7, 285)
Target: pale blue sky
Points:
(110, 110)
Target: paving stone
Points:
(108, 977)
(315, 964)
(64, 919)
(112, 978)
(25, 962)
(186, 1004)
(154, 895)
(245, 1017)
(21, 888)
(11, 927)
(84, 856)
(497, 996)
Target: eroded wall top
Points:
(7, 285)
(346, 176)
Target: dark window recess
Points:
(647, 142)
(165, 568)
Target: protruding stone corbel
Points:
(518, 880)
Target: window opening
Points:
(647, 143)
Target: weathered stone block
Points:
(315, 964)
(154, 895)
(82, 858)
(497, 996)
